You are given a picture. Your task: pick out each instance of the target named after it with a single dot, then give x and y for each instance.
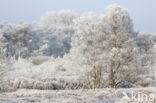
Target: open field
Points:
(136, 95)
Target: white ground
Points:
(80, 96)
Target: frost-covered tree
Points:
(59, 27)
(18, 40)
(88, 45)
(122, 55)
(106, 45)
(145, 41)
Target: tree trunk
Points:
(112, 83)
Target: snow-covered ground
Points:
(135, 95)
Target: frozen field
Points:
(134, 95)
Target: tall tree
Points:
(106, 45)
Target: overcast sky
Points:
(143, 12)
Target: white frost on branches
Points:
(99, 50)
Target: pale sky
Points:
(143, 12)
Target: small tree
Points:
(88, 45)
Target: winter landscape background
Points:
(77, 58)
